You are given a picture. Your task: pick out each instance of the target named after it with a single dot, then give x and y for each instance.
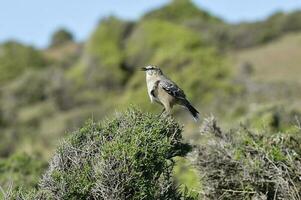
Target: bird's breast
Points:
(150, 82)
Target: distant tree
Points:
(61, 36)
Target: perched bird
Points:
(165, 92)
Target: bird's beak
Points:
(143, 68)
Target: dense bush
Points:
(128, 157)
(241, 164)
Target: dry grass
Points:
(244, 165)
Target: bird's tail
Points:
(192, 110)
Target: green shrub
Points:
(128, 157)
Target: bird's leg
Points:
(162, 112)
(167, 108)
(167, 112)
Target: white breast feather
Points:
(150, 82)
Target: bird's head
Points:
(152, 70)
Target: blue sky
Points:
(33, 21)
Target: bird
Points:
(164, 91)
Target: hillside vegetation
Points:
(133, 156)
(277, 61)
(127, 157)
(245, 74)
(243, 164)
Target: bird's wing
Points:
(172, 89)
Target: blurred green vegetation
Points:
(181, 11)
(61, 37)
(181, 53)
(15, 58)
(105, 63)
(21, 170)
(187, 176)
(251, 34)
(45, 93)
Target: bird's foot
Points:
(162, 112)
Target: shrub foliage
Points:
(128, 157)
(245, 165)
